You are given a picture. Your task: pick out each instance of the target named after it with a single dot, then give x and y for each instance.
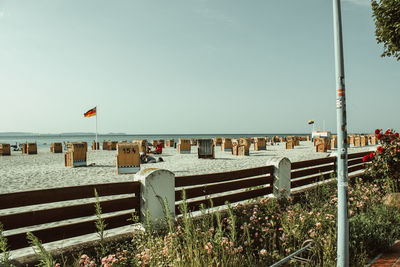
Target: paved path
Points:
(389, 258)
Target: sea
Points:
(44, 140)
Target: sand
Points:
(21, 172)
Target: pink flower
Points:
(263, 252)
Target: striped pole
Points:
(342, 172)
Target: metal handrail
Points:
(307, 245)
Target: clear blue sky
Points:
(189, 66)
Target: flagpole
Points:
(97, 114)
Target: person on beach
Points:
(146, 159)
(149, 159)
(158, 150)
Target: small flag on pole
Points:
(90, 113)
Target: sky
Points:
(190, 67)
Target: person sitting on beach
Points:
(147, 159)
(158, 150)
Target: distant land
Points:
(52, 134)
(30, 134)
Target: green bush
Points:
(262, 233)
(385, 161)
(373, 231)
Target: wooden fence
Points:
(204, 185)
(232, 186)
(255, 182)
(33, 217)
(312, 171)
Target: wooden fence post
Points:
(157, 186)
(282, 176)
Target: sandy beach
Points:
(21, 172)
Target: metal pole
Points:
(342, 173)
(96, 128)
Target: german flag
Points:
(90, 113)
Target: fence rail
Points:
(256, 181)
(27, 198)
(19, 222)
(221, 176)
(313, 171)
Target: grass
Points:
(258, 233)
(4, 248)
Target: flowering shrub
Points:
(385, 165)
(85, 261)
(263, 232)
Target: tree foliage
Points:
(386, 14)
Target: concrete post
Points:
(282, 168)
(157, 185)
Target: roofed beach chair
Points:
(170, 143)
(241, 146)
(76, 155)
(31, 148)
(226, 144)
(321, 144)
(184, 146)
(217, 141)
(357, 141)
(128, 158)
(372, 139)
(142, 145)
(259, 143)
(296, 140)
(5, 150)
(364, 140)
(95, 146)
(205, 149)
(56, 147)
(351, 139)
(290, 144)
(333, 142)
